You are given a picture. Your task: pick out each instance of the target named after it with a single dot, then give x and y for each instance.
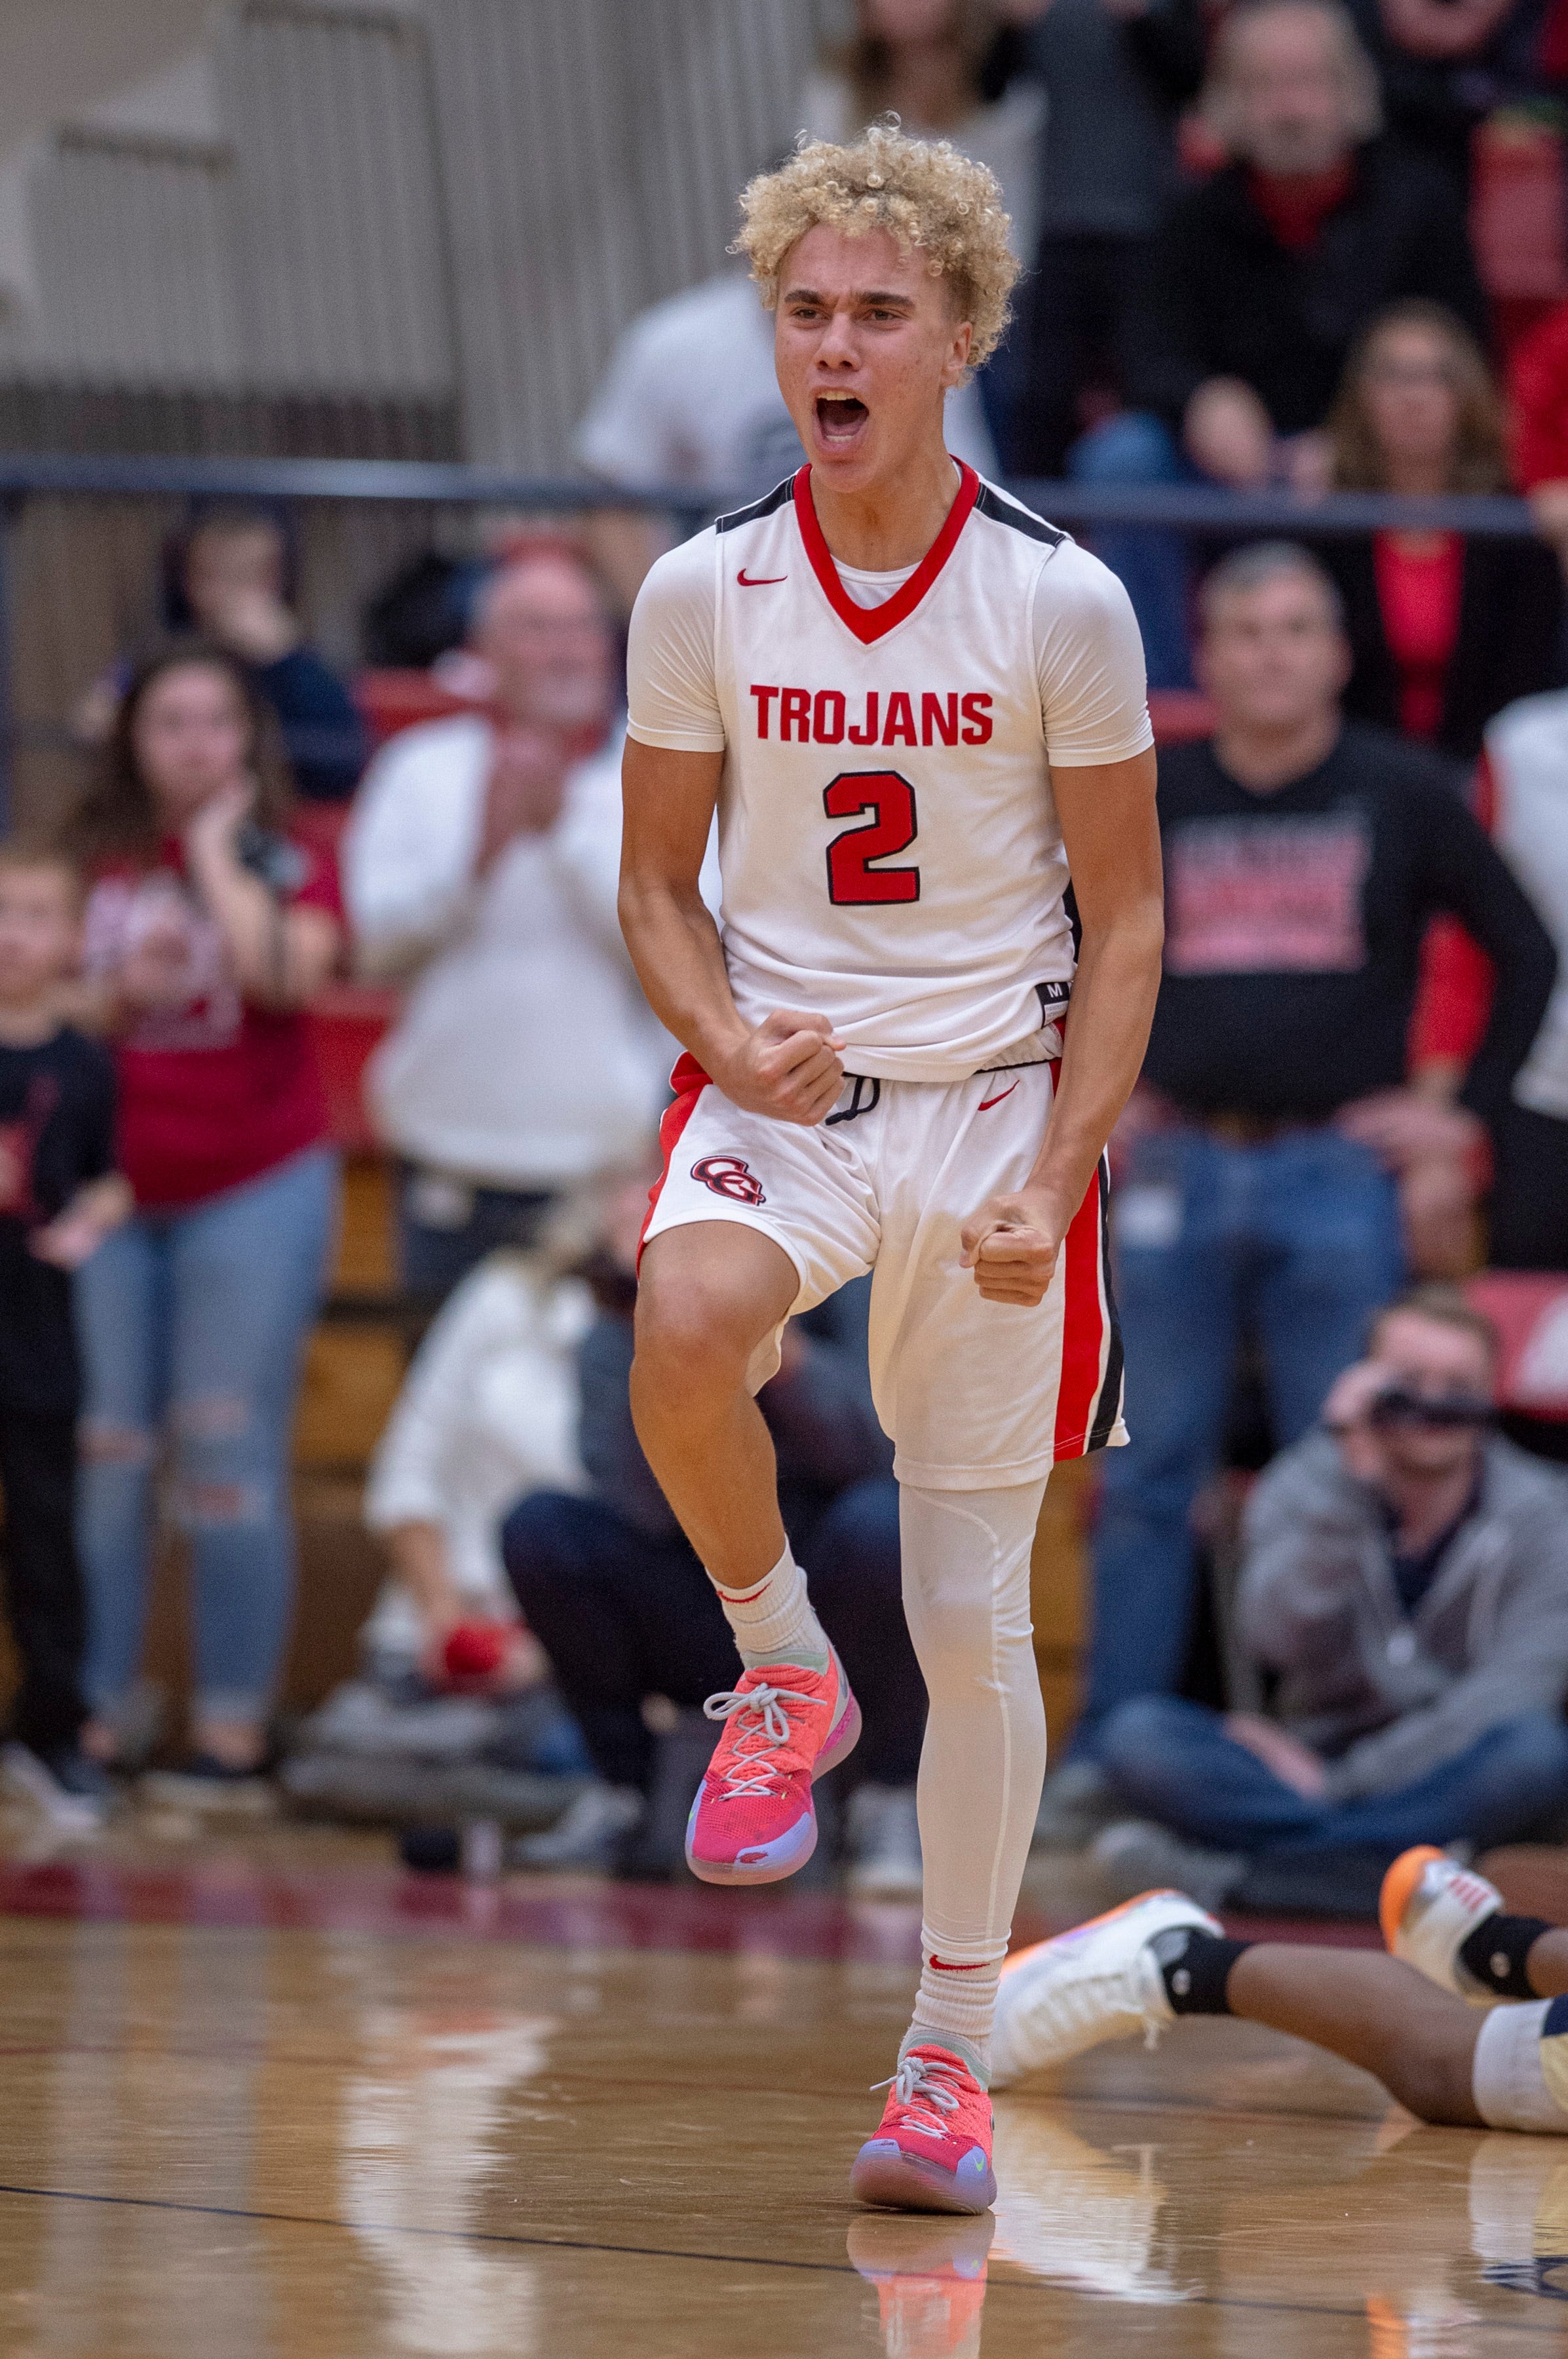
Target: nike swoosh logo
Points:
(985, 1102)
(759, 580)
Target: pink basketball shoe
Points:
(932, 2152)
(753, 1821)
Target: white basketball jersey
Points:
(889, 841)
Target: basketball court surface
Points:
(290, 2103)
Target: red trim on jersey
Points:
(687, 1081)
(870, 623)
(1082, 1327)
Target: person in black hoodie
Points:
(1444, 631)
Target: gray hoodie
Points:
(1387, 1695)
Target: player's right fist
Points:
(789, 1068)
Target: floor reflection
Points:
(1082, 2217)
(421, 2123)
(930, 2275)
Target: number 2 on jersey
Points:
(891, 801)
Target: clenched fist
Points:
(789, 1068)
(1011, 1245)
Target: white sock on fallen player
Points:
(773, 1621)
(1520, 2076)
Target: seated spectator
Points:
(1444, 632)
(1265, 1153)
(614, 1590)
(209, 930)
(227, 579)
(1260, 281)
(487, 1412)
(449, 1678)
(483, 859)
(1404, 1580)
(1115, 73)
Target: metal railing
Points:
(408, 485)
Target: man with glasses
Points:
(1405, 1585)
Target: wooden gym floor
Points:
(266, 2098)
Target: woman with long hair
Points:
(209, 929)
(1444, 631)
(948, 70)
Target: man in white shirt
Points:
(481, 859)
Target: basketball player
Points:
(1161, 1956)
(916, 708)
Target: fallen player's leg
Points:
(1161, 1956)
(1450, 1924)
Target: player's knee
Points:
(694, 1341)
(1432, 2072)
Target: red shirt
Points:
(1538, 394)
(1417, 595)
(1296, 210)
(212, 1090)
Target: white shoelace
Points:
(923, 2079)
(750, 1775)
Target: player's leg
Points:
(1452, 1925)
(708, 1296)
(1160, 1957)
(1505, 2071)
(716, 1288)
(970, 1390)
(966, 1597)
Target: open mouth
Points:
(840, 419)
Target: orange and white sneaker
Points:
(932, 2152)
(754, 1821)
(1100, 1981)
(930, 2277)
(1428, 1908)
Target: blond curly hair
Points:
(923, 191)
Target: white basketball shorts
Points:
(975, 1394)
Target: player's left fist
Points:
(1011, 1245)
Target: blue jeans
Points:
(1296, 1241)
(1135, 448)
(192, 1324)
(1171, 1761)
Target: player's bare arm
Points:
(788, 1066)
(1112, 839)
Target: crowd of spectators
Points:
(1247, 264)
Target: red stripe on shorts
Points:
(1082, 1327)
(687, 1081)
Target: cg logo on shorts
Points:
(726, 1174)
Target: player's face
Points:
(866, 346)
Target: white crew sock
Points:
(773, 1621)
(966, 1596)
(1520, 2076)
(954, 2006)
